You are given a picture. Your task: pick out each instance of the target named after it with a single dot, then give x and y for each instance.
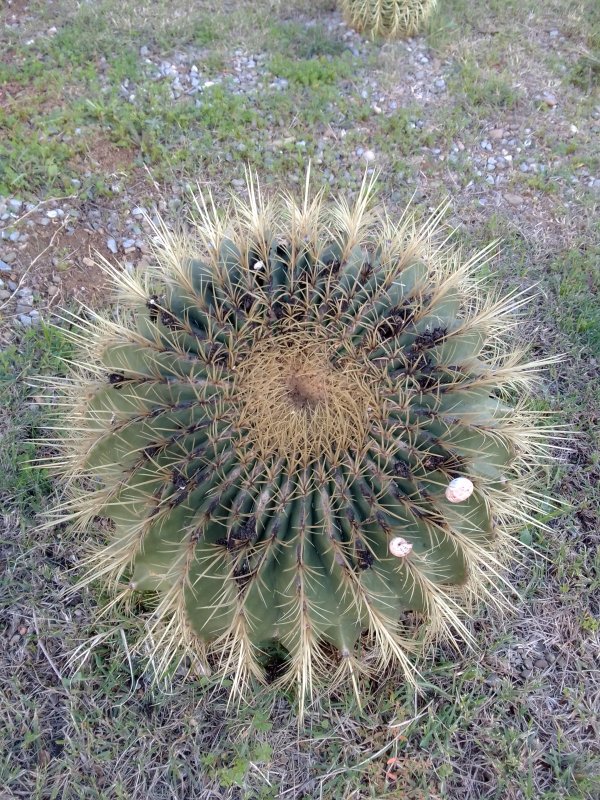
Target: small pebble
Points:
(493, 680)
(513, 199)
(112, 245)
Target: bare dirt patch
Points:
(69, 266)
(106, 158)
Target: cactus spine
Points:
(388, 18)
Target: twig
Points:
(35, 208)
(45, 652)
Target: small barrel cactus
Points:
(388, 18)
(299, 424)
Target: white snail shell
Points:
(458, 490)
(399, 547)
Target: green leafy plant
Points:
(302, 424)
(388, 18)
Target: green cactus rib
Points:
(274, 402)
(388, 18)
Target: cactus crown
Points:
(271, 420)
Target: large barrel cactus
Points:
(388, 18)
(301, 425)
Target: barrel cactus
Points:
(301, 424)
(388, 18)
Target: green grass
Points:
(310, 72)
(575, 279)
(585, 73)
(85, 66)
(483, 89)
(176, 133)
(293, 39)
(21, 483)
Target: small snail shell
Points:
(399, 547)
(458, 490)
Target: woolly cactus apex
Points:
(271, 419)
(388, 18)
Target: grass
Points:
(310, 72)
(21, 483)
(575, 278)
(87, 66)
(486, 725)
(483, 89)
(298, 41)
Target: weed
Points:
(585, 73)
(294, 39)
(310, 72)
(482, 89)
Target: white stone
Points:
(459, 490)
(399, 547)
